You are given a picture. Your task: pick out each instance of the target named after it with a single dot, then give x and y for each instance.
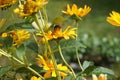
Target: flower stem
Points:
(66, 62)
(35, 72)
(79, 62)
(48, 47)
(40, 28)
(45, 17)
(14, 58)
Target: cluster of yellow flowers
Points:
(49, 67)
(30, 7)
(18, 36)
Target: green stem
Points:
(37, 22)
(47, 46)
(36, 42)
(43, 23)
(54, 62)
(66, 61)
(4, 53)
(35, 72)
(40, 28)
(14, 58)
(79, 62)
(45, 17)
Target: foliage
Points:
(33, 44)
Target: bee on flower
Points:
(58, 33)
(114, 18)
(74, 10)
(30, 7)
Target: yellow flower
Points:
(69, 32)
(30, 7)
(74, 10)
(57, 33)
(4, 35)
(18, 36)
(114, 18)
(35, 78)
(101, 77)
(49, 67)
(5, 3)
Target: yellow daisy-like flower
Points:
(18, 36)
(35, 78)
(114, 18)
(57, 33)
(101, 77)
(49, 67)
(30, 7)
(69, 32)
(74, 10)
(5, 3)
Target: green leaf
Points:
(104, 70)
(33, 46)
(23, 25)
(69, 78)
(7, 42)
(20, 52)
(88, 70)
(37, 68)
(23, 70)
(86, 64)
(80, 78)
(4, 70)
